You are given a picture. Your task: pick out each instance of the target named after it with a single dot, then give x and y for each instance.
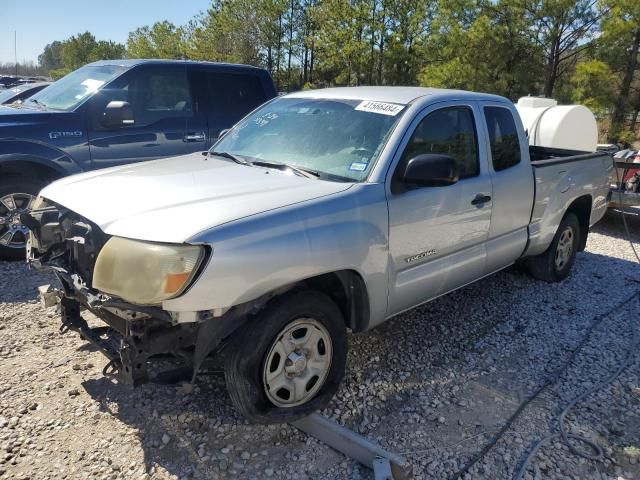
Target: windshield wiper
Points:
(37, 102)
(303, 172)
(231, 156)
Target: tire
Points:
(253, 356)
(548, 266)
(15, 192)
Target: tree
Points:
(406, 25)
(592, 86)
(51, 57)
(79, 50)
(562, 29)
(480, 46)
(162, 40)
(341, 44)
(620, 46)
(228, 31)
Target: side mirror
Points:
(117, 114)
(223, 133)
(431, 170)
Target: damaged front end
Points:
(69, 245)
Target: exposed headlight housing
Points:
(145, 273)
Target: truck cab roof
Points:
(401, 95)
(133, 62)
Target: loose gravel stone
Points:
(433, 384)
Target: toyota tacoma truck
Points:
(115, 112)
(320, 212)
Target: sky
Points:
(39, 22)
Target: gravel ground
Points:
(433, 384)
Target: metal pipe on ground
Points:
(385, 465)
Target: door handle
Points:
(195, 137)
(480, 199)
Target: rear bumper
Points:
(618, 199)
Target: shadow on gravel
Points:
(194, 435)
(19, 284)
(170, 425)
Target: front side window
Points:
(71, 90)
(340, 138)
(153, 94)
(449, 131)
(503, 137)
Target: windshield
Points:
(335, 137)
(68, 92)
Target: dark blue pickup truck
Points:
(111, 113)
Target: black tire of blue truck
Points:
(246, 354)
(15, 185)
(545, 266)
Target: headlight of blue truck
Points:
(145, 273)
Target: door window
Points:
(449, 131)
(234, 94)
(503, 137)
(154, 95)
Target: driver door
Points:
(166, 121)
(437, 235)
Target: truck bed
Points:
(562, 177)
(544, 156)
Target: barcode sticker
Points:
(384, 108)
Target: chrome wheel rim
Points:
(13, 234)
(297, 363)
(564, 248)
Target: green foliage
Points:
(51, 57)
(162, 40)
(619, 47)
(481, 47)
(78, 51)
(593, 86)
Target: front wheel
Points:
(288, 360)
(555, 263)
(16, 196)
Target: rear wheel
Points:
(288, 360)
(555, 263)
(16, 196)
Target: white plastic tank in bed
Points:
(570, 127)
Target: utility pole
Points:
(15, 50)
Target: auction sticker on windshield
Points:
(384, 108)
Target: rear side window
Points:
(449, 131)
(503, 137)
(234, 94)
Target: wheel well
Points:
(581, 207)
(348, 290)
(29, 169)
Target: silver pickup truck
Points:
(320, 211)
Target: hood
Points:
(173, 199)
(10, 113)
(20, 116)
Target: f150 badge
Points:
(75, 134)
(420, 256)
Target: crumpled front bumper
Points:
(67, 245)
